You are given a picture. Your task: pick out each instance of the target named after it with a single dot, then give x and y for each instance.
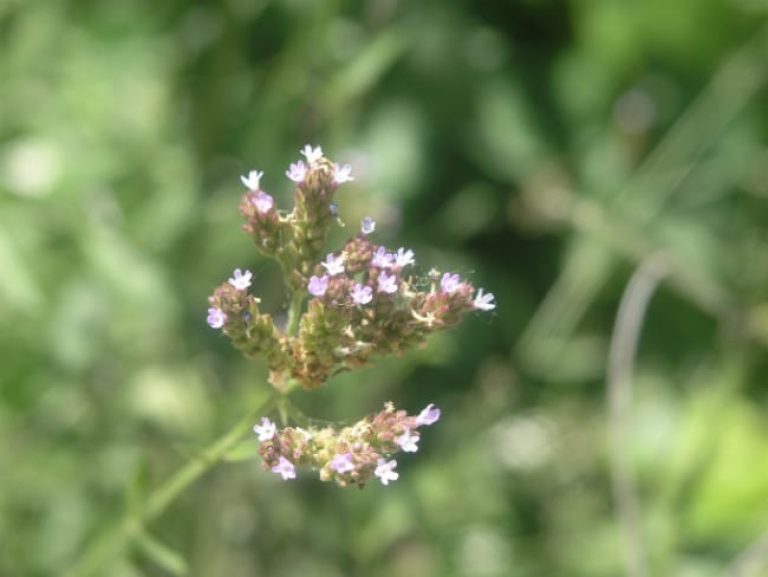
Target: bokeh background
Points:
(546, 149)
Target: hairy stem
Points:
(294, 314)
(114, 542)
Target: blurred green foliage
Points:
(546, 148)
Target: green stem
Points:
(294, 313)
(112, 543)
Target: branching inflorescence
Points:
(363, 302)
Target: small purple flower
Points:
(334, 265)
(407, 442)
(484, 302)
(382, 259)
(368, 225)
(342, 174)
(385, 471)
(312, 154)
(285, 469)
(297, 171)
(362, 294)
(428, 416)
(263, 202)
(343, 463)
(318, 285)
(449, 283)
(216, 318)
(241, 280)
(251, 181)
(403, 257)
(266, 430)
(387, 283)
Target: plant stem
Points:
(112, 543)
(294, 314)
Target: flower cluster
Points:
(364, 299)
(349, 456)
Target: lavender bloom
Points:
(387, 283)
(334, 265)
(251, 181)
(407, 442)
(385, 471)
(241, 280)
(403, 257)
(428, 416)
(449, 283)
(266, 431)
(342, 174)
(285, 469)
(263, 202)
(343, 463)
(318, 285)
(368, 225)
(312, 154)
(216, 318)
(361, 294)
(297, 171)
(382, 259)
(484, 302)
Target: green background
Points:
(544, 149)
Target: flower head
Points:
(484, 302)
(362, 294)
(449, 283)
(312, 154)
(387, 283)
(368, 225)
(382, 259)
(407, 442)
(216, 318)
(403, 257)
(266, 430)
(263, 201)
(334, 264)
(251, 181)
(343, 463)
(385, 471)
(342, 174)
(285, 469)
(318, 285)
(241, 280)
(428, 416)
(297, 171)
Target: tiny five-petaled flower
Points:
(297, 171)
(342, 174)
(216, 318)
(385, 471)
(449, 283)
(368, 225)
(241, 280)
(285, 469)
(403, 257)
(382, 259)
(334, 264)
(263, 202)
(407, 442)
(266, 430)
(428, 416)
(318, 285)
(251, 181)
(343, 463)
(312, 154)
(361, 294)
(484, 302)
(387, 283)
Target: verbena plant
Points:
(364, 302)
